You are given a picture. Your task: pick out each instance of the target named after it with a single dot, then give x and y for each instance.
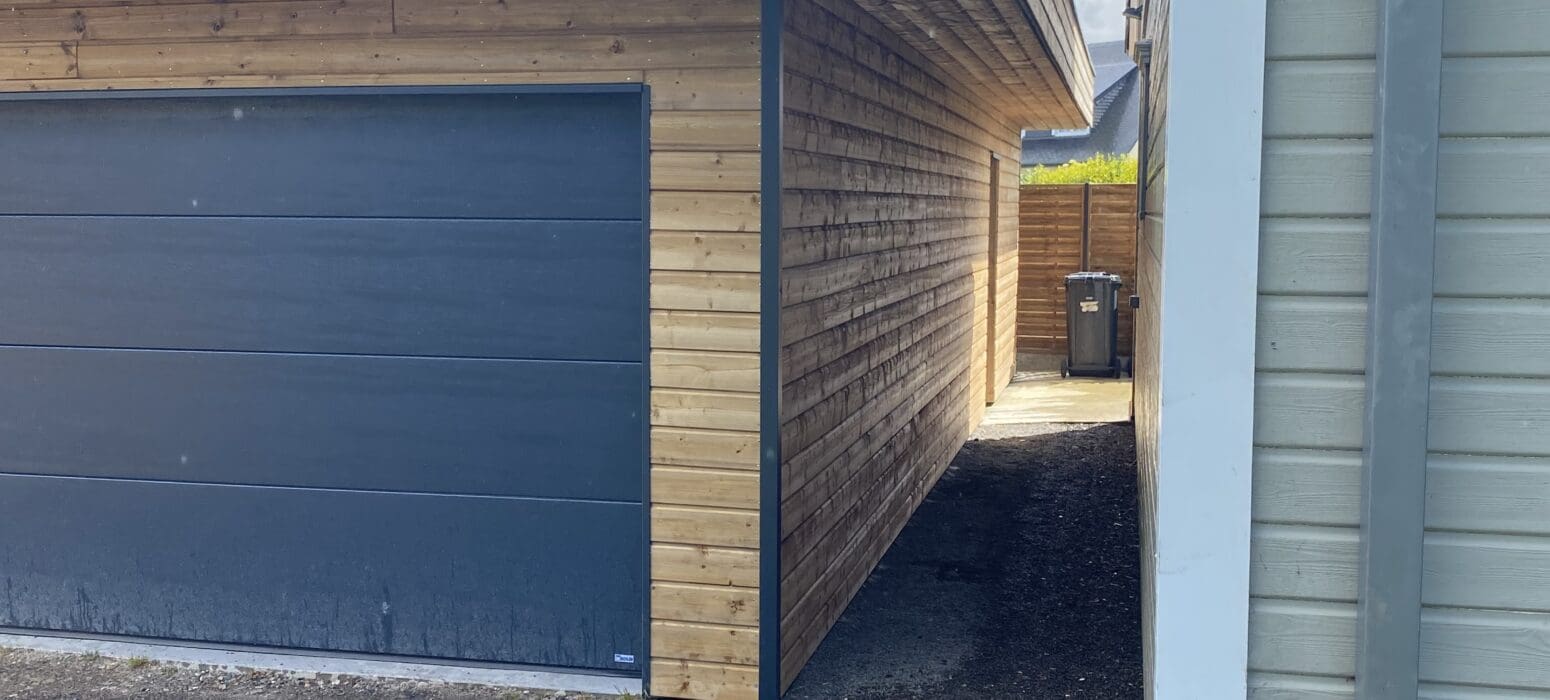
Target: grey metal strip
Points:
(772, 92)
(643, 656)
(1402, 252)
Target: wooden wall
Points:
(1148, 319)
(1049, 247)
(885, 286)
(701, 59)
(1486, 626)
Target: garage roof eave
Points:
(1023, 58)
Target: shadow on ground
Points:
(1018, 578)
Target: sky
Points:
(1101, 20)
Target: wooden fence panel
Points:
(1051, 220)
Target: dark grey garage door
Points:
(330, 370)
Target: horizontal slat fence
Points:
(1051, 219)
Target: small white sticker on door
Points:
(624, 658)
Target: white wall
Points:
(1195, 406)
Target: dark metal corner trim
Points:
(1402, 257)
(771, 75)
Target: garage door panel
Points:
(351, 370)
(458, 288)
(496, 579)
(494, 156)
(501, 427)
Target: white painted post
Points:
(1209, 289)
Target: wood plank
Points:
(577, 17)
(1319, 99)
(701, 642)
(29, 61)
(1310, 411)
(1302, 637)
(694, 486)
(674, 290)
(1491, 337)
(691, 330)
(715, 410)
(707, 251)
(702, 130)
(716, 566)
(676, 678)
(1276, 686)
(699, 369)
(1327, 178)
(1481, 97)
(705, 171)
(718, 449)
(1488, 494)
(1311, 29)
(420, 54)
(705, 211)
(1498, 416)
(1304, 562)
(719, 605)
(1493, 257)
(704, 88)
(1309, 333)
(1471, 570)
(1476, 27)
(716, 527)
(1463, 492)
(326, 80)
(1318, 256)
(1485, 648)
(197, 21)
(1313, 487)
(1491, 177)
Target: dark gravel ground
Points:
(1018, 578)
(31, 675)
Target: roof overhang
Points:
(1023, 58)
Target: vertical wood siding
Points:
(701, 59)
(885, 285)
(1486, 628)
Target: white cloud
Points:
(1101, 19)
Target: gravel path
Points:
(1018, 578)
(35, 675)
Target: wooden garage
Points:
(482, 331)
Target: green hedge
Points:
(1103, 168)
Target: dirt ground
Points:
(30, 675)
(1018, 578)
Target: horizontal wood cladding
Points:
(1488, 474)
(701, 61)
(1026, 58)
(1478, 648)
(482, 16)
(1050, 247)
(886, 292)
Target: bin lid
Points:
(1106, 276)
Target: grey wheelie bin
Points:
(1092, 325)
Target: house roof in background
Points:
(1116, 113)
